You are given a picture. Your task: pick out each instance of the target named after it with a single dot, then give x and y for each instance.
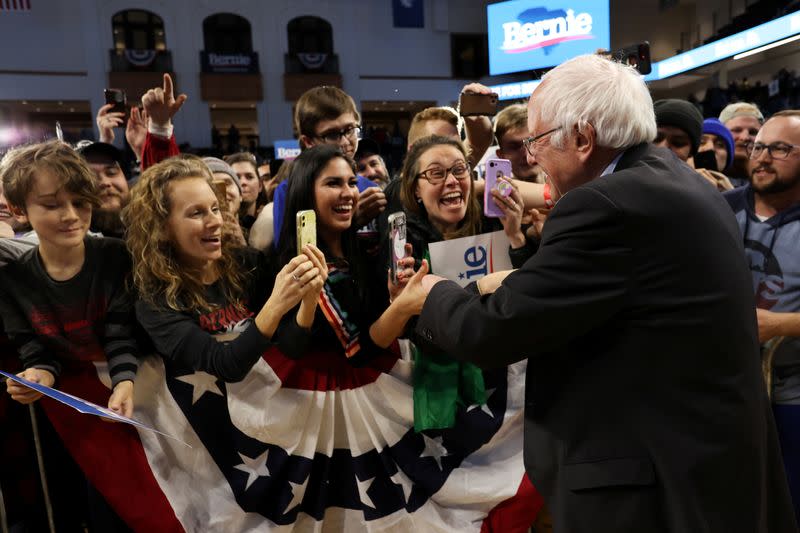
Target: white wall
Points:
(377, 61)
(75, 37)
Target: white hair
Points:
(591, 89)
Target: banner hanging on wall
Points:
(532, 34)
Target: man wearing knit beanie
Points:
(222, 171)
(718, 138)
(744, 121)
(679, 126)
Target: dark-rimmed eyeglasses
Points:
(530, 142)
(334, 137)
(779, 150)
(437, 175)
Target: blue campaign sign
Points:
(287, 150)
(531, 34)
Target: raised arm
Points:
(160, 104)
(178, 336)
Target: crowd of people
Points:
(204, 262)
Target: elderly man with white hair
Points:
(645, 406)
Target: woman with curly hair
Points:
(206, 303)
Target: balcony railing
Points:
(311, 64)
(130, 60)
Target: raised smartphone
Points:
(495, 169)
(475, 104)
(306, 229)
(117, 98)
(397, 234)
(221, 188)
(637, 56)
(706, 159)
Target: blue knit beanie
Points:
(715, 127)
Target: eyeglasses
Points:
(530, 142)
(335, 137)
(777, 150)
(437, 175)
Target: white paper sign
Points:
(468, 259)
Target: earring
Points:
(419, 200)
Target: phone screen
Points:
(706, 159)
(117, 98)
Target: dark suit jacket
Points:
(645, 407)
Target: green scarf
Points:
(441, 385)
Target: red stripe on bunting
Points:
(111, 456)
(329, 370)
(516, 514)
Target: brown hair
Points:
(512, 117)
(242, 157)
(417, 129)
(787, 113)
(321, 103)
(471, 224)
(157, 270)
(19, 165)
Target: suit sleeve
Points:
(577, 281)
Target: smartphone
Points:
(221, 188)
(306, 229)
(496, 168)
(706, 159)
(397, 234)
(117, 98)
(474, 104)
(636, 55)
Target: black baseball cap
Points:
(367, 147)
(97, 150)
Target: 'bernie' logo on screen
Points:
(541, 28)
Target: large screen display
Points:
(531, 34)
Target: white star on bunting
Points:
(363, 487)
(202, 382)
(406, 485)
(298, 491)
(254, 468)
(435, 449)
(484, 407)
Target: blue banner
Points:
(531, 34)
(287, 149)
(738, 43)
(408, 13)
(779, 31)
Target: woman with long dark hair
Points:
(352, 314)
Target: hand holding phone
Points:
(498, 172)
